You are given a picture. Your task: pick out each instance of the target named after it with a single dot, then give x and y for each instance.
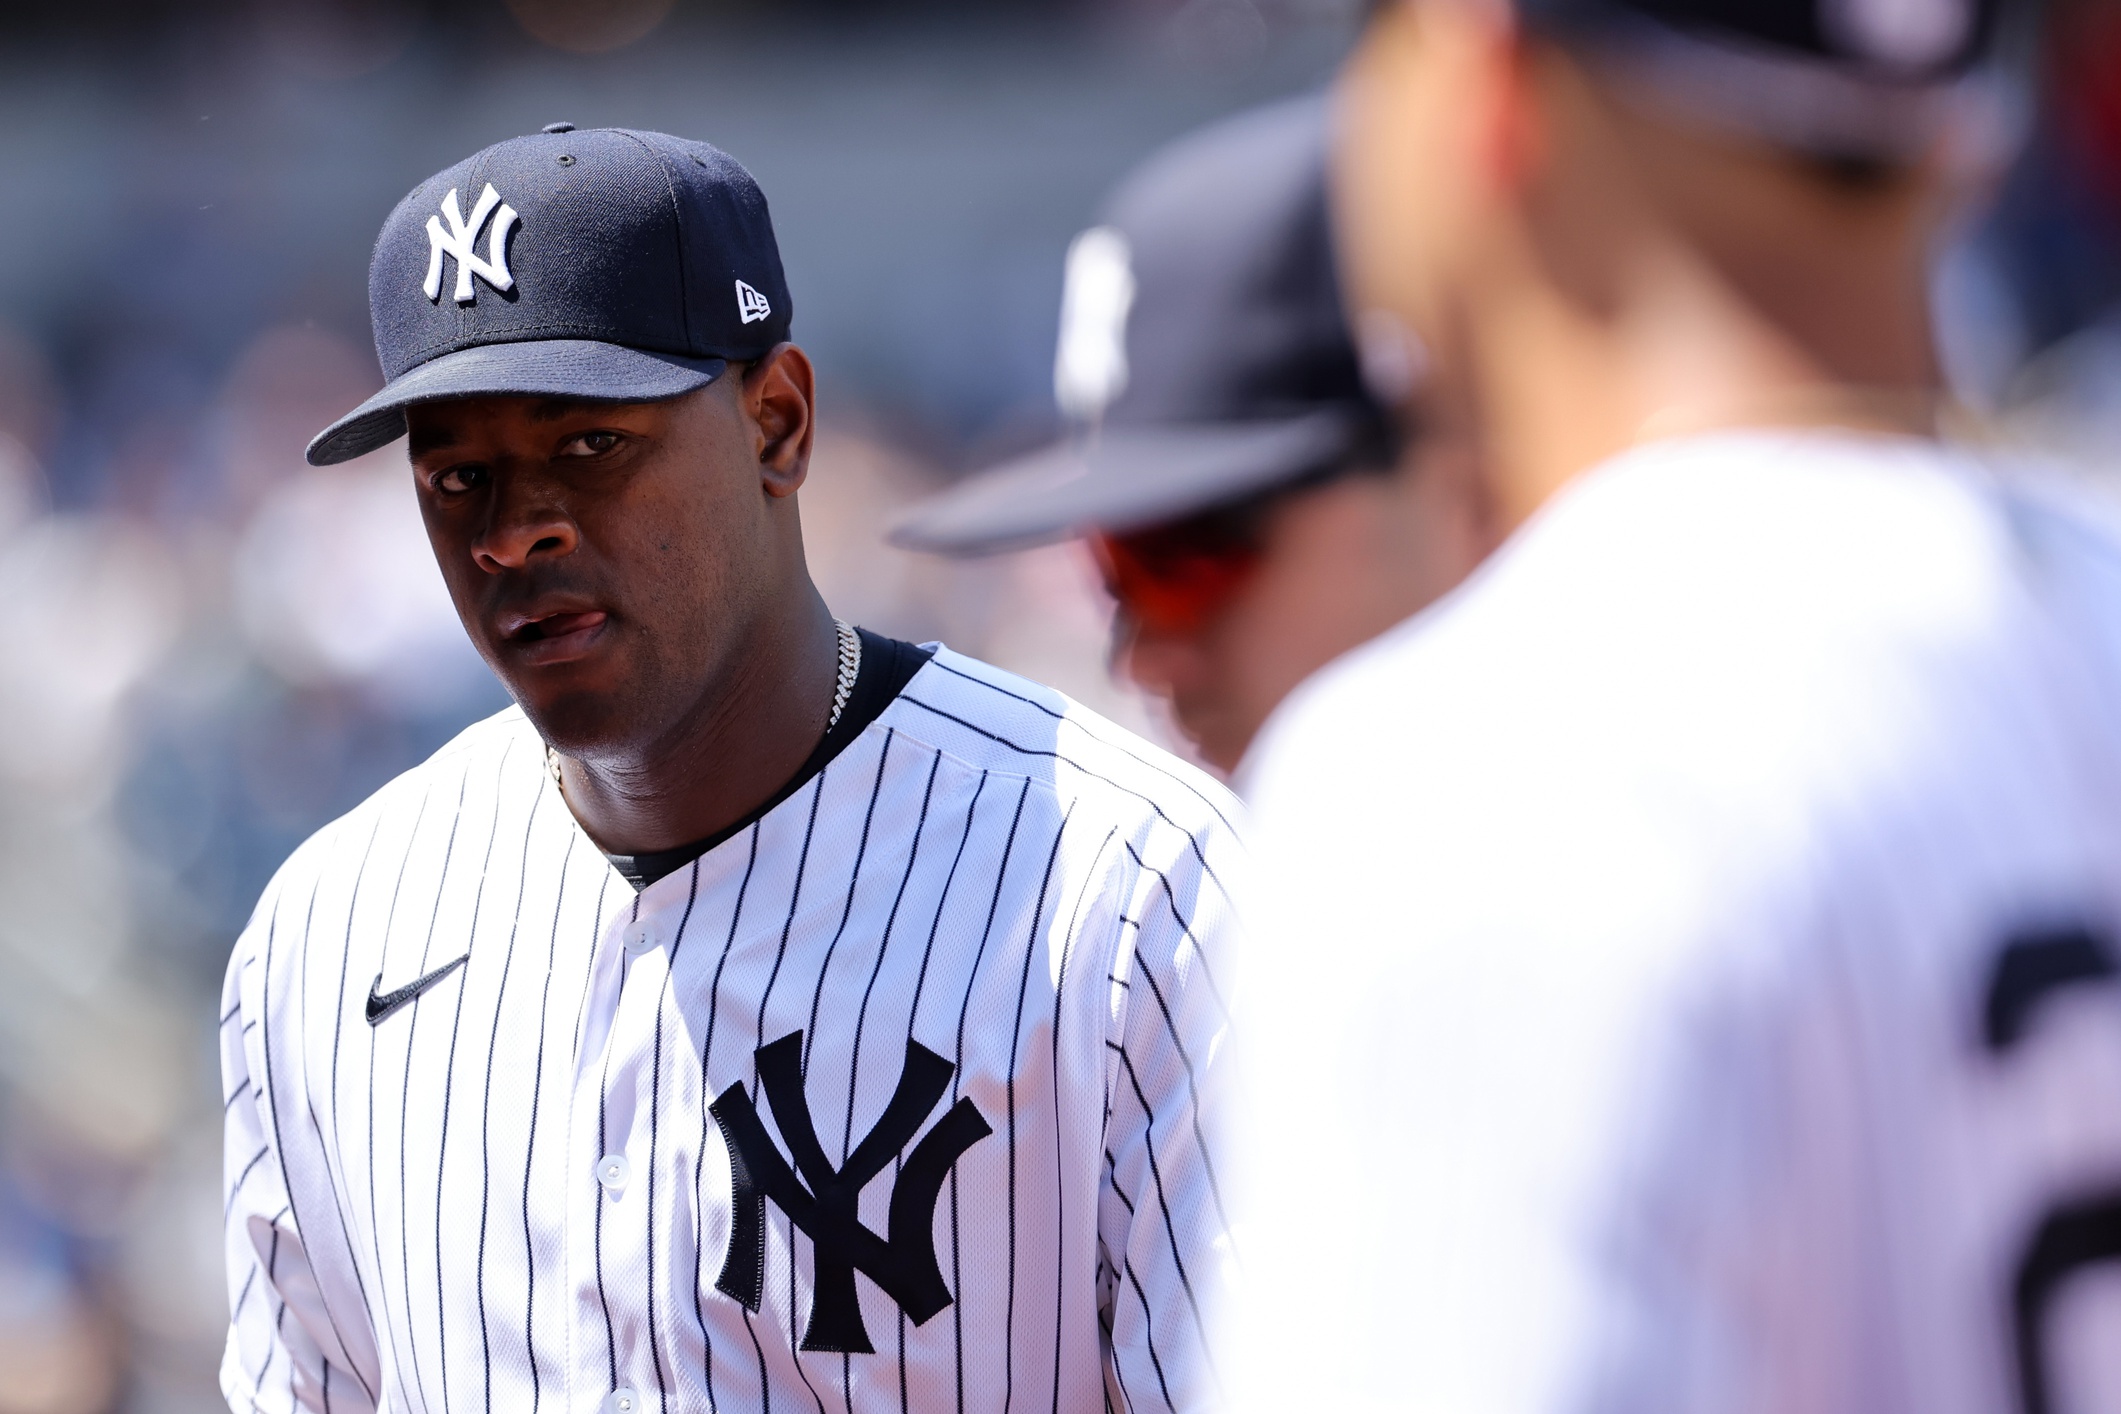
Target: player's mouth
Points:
(541, 640)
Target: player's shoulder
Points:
(1717, 575)
(1743, 629)
(474, 757)
(474, 763)
(993, 720)
(2070, 532)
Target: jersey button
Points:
(612, 1172)
(638, 938)
(622, 1400)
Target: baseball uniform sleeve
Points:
(279, 1330)
(1164, 1238)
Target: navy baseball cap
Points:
(1204, 357)
(603, 264)
(1881, 80)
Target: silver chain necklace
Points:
(850, 669)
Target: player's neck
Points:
(719, 762)
(1656, 279)
(1555, 389)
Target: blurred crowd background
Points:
(213, 649)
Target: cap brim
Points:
(552, 368)
(1122, 480)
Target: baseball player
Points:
(1236, 480)
(761, 1015)
(1697, 939)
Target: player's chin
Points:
(579, 720)
(577, 704)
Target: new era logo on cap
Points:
(751, 306)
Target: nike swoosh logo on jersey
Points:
(380, 1007)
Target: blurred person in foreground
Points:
(1237, 482)
(1692, 972)
(800, 1017)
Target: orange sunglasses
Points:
(1173, 578)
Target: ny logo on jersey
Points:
(459, 242)
(903, 1264)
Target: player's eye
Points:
(456, 480)
(589, 444)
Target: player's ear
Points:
(1512, 121)
(779, 397)
(1521, 131)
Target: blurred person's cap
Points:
(602, 264)
(1877, 80)
(1203, 356)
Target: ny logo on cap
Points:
(1097, 294)
(751, 306)
(459, 242)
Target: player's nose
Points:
(525, 521)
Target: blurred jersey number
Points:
(2084, 1230)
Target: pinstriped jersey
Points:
(1732, 870)
(900, 1098)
